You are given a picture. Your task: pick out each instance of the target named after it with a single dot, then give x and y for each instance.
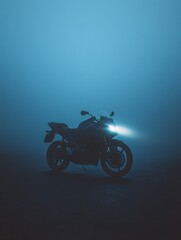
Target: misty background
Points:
(60, 57)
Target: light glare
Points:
(121, 130)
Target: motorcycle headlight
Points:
(112, 128)
(120, 130)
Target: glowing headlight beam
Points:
(120, 130)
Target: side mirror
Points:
(112, 114)
(83, 113)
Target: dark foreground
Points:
(37, 204)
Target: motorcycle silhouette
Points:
(88, 144)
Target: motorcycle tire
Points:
(57, 157)
(117, 162)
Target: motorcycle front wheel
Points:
(57, 157)
(117, 160)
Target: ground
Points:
(38, 204)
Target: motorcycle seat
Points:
(62, 127)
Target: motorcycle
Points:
(92, 142)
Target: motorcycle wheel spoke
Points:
(59, 162)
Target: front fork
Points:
(106, 150)
(107, 145)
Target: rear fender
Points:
(49, 136)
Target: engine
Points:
(83, 154)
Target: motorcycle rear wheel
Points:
(57, 157)
(118, 161)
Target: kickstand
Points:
(84, 169)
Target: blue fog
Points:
(60, 57)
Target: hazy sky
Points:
(59, 57)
